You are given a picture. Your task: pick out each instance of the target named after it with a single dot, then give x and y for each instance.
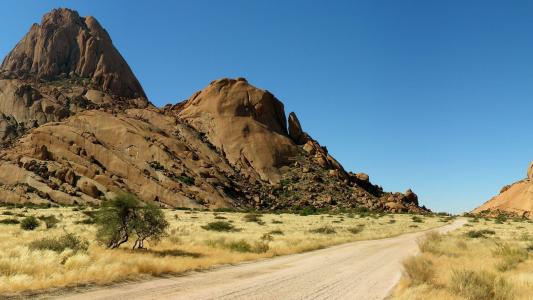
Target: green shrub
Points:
(500, 219)
(9, 221)
(306, 211)
(186, 179)
(417, 219)
(277, 222)
(479, 233)
(59, 244)
(29, 223)
(220, 226)
(7, 213)
(253, 217)
(480, 285)
(244, 246)
(323, 230)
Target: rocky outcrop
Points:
(67, 45)
(79, 130)
(246, 124)
(515, 199)
(64, 65)
(9, 127)
(295, 130)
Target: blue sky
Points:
(430, 95)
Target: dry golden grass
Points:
(187, 247)
(482, 260)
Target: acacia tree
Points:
(125, 216)
(150, 224)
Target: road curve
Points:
(358, 270)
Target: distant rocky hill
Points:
(76, 127)
(515, 199)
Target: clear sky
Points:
(436, 96)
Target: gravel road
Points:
(358, 270)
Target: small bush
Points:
(9, 221)
(277, 222)
(267, 237)
(474, 234)
(253, 217)
(306, 211)
(220, 226)
(417, 219)
(49, 221)
(244, 246)
(356, 229)
(7, 213)
(480, 285)
(66, 241)
(276, 231)
(500, 219)
(86, 221)
(323, 230)
(419, 270)
(239, 246)
(186, 179)
(29, 223)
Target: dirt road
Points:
(359, 270)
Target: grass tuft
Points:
(220, 226)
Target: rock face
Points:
(65, 44)
(295, 130)
(77, 129)
(247, 124)
(515, 199)
(65, 65)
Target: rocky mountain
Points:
(77, 128)
(515, 199)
